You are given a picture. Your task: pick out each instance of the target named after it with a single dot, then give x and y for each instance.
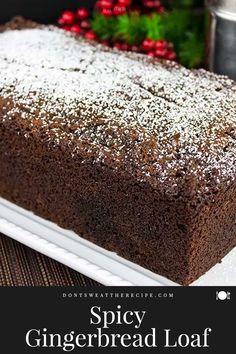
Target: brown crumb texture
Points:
(135, 155)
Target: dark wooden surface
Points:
(21, 266)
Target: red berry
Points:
(161, 9)
(149, 4)
(106, 43)
(107, 12)
(66, 28)
(60, 21)
(135, 48)
(148, 44)
(97, 5)
(119, 10)
(171, 55)
(82, 13)
(124, 46)
(90, 35)
(151, 54)
(157, 4)
(161, 53)
(85, 24)
(75, 29)
(124, 2)
(159, 44)
(104, 4)
(68, 17)
(117, 45)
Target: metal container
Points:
(222, 37)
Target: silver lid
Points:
(224, 8)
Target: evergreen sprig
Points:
(191, 50)
(185, 28)
(104, 27)
(130, 28)
(187, 31)
(154, 27)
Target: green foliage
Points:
(187, 31)
(130, 28)
(191, 50)
(154, 26)
(104, 27)
(184, 27)
(175, 23)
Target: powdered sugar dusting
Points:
(159, 120)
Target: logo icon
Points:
(223, 295)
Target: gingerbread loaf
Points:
(136, 155)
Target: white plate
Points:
(95, 262)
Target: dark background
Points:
(45, 11)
